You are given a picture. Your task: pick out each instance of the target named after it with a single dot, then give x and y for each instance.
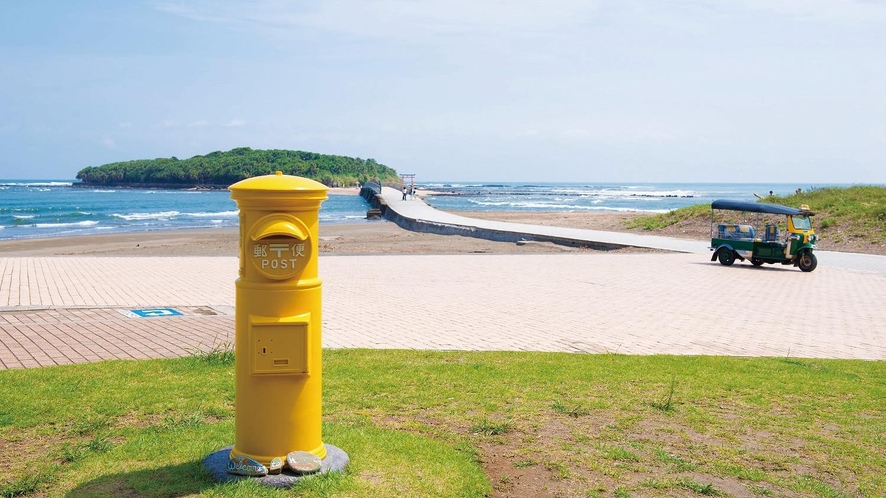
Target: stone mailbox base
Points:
(217, 463)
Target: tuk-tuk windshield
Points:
(802, 223)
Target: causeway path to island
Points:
(63, 310)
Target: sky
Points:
(782, 91)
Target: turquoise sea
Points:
(56, 208)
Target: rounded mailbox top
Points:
(279, 182)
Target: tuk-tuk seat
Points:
(735, 232)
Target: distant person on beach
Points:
(404, 192)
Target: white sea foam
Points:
(87, 223)
(451, 185)
(662, 193)
(23, 216)
(163, 215)
(209, 215)
(551, 206)
(35, 184)
(627, 196)
(531, 205)
(575, 191)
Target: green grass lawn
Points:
(461, 424)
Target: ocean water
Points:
(41, 208)
(594, 197)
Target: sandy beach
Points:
(370, 237)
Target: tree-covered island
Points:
(221, 169)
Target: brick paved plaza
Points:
(63, 310)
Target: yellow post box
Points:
(278, 321)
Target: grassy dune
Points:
(854, 217)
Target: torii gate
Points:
(411, 177)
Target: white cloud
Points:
(108, 142)
(235, 122)
(198, 123)
(125, 124)
(169, 123)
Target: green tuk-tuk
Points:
(732, 237)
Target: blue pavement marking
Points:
(151, 312)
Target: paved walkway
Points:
(416, 215)
(63, 310)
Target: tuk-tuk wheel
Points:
(756, 262)
(807, 261)
(726, 257)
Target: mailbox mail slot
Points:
(279, 246)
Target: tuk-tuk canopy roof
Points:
(757, 207)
